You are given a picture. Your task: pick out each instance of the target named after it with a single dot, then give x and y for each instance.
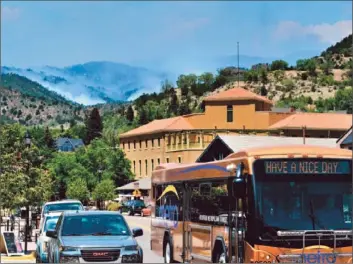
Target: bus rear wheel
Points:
(167, 253)
(221, 258)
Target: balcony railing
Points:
(184, 146)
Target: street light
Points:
(28, 144)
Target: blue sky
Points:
(66, 33)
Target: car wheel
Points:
(168, 253)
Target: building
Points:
(68, 144)
(224, 145)
(346, 140)
(235, 111)
(143, 187)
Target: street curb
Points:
(31, 256)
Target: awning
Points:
(143, 184)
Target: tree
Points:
(264, 77)
(174, 104)
(166, 86)
(184, 108)
(279, 65)
(143, 119)
(130, 114)
(77, 189)
(49, 141)
(94, 126)
(263, 91)
(104, 191)
(186, 82)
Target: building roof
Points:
(346, 138)
(143, 184)
(236, 94)
(236, 143)
(162, 125)
(325, 121)
(76, 142)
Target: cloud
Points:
(180, 27)
(9, 13)
(326, 33)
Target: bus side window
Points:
(205, 188)
(157, 193)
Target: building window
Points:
(134, 144)
(134, 167)
(152, 164)
(152, 142)
(167, 160)
(140, 144)
(158, 161)
(146, 165)
(229, 113)
(179, 159)
(128, 145)
(159, 142)
(140, 168)
(146, 142)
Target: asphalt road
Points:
(144, 241)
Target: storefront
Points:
(135, 190)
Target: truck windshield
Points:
(304, 202)
(50, 223)
(95, 225)
(62, 207)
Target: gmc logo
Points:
(100, 254)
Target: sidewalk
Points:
(30, 258)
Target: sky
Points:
(66, 33)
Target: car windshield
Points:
(138, 203)
(62, 207)
(50, 223)
(88, 225)
(304, 202)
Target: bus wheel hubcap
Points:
(222, 258)
(167, 253)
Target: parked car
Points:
(60, 206)
(132, 207)
(146, 211)
(49, 224)
(94, 236)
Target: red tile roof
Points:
(162, 125)
(319, 121)
(237, 94)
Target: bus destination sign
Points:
(307, 167)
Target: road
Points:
(144, 241)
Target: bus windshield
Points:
(304, 201)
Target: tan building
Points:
(182, 139)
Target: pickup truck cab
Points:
(94, 236)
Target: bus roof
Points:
(176, 171)
(308, 150)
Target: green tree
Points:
(130, 114)
(94, 125)
(184, 108)
(186, 82)
(279, 65)
(77, 189)
(174, 104)
(142, 118)
(49, 141)
(104, 191)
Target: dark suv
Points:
(132, 207)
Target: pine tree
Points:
(184, 108)
(143, 119)
(49, 141)
(94, 126)
(174, 104)
(130, 114)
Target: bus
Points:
(289, 204)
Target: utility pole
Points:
(238, 64)
(28, 145)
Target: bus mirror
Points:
(239, 187)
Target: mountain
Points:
(95, 82)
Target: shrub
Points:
(113, 206)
